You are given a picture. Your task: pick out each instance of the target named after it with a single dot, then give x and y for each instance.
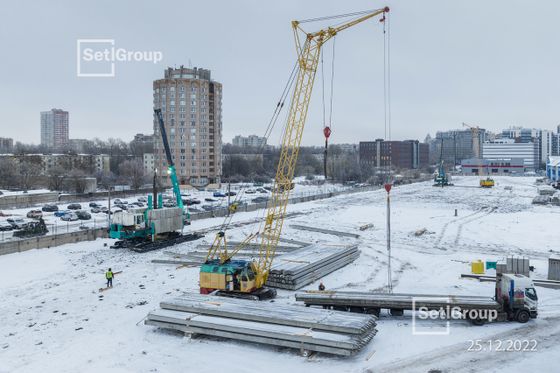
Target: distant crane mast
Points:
(475, 131)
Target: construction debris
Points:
(301, 267)
(325, 231)
(420, 232)
(305, 329)
(366, 226)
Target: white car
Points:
(17, 223)
(69, 217)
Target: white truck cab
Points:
(517, 295)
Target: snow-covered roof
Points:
(553, 161)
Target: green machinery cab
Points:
(232, 276)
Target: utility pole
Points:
(109, 207)
(389, 279)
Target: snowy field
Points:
(54, 319)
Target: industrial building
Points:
(484, 167)
(408, 154)
(6, 145)
(191, 104)
(509, 149)
(54, 128)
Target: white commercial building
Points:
(508, 148)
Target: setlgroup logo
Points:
(97, 58)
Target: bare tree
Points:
(56, 176)
(133, 172)
(78, 180)
(8, 172)
(28, 172)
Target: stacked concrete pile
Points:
(301, 267)
(302, 328)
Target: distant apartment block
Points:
(54, 128)
(253, 141)
(78, 145)
(87, 162)
(6, 145)
(408, 154)
(149, 163)
(456, 145)
(509, 149)
(191, 104)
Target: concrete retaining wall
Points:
(41, 242)
(27, 200)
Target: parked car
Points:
(74, 206)
(259, 199)
(61, 213)
(35, 214)
(169, 204)
(230, 193)
(83, 215)
(195, 209)
(121, 206)
(268, 188)
(208, 199)
(218, 194)
(94, 204)
(50, 208)
(191, 201)
(104, 209)
(17, 223)
(250, 191)
(117, 201)
(261, 190)
(139, 204)
(208, 207)
(95, 210)
(142, 199)
(5, 226)
(69, 217)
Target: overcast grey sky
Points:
(491, 63)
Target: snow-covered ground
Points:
(54, 319)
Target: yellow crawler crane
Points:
(246, 279)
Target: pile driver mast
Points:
(308, 50)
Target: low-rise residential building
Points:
(253, 141)
(89, 163)
(6, 145)
(149, 163)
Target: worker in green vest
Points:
(109, 277)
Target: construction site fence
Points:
(297, 198)
(51, 240)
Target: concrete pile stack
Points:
(302, 328)
(301, 267)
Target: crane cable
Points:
(272, 122)
(387, 87)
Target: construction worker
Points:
(109, 277)
(321, 286)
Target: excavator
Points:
(222, 274)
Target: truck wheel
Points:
(478, 322)
(522, 316)
(396, 312)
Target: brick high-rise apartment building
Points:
(191, 104)
(54, 128)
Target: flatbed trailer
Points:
(373, 303)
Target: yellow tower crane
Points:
(246, 279)
(475, 131)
